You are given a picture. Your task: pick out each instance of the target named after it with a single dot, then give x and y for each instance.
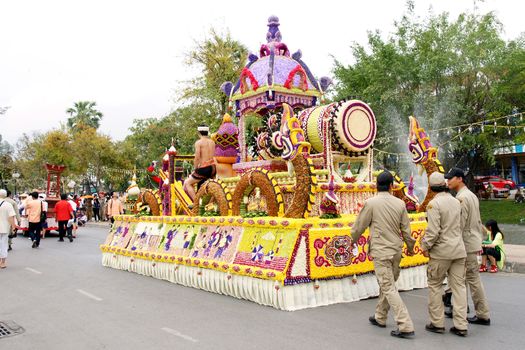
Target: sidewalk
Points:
(99, 223)
(515, 258)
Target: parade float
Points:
(51, 196)
(274, 227)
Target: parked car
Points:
(496, 181)
(484, 189)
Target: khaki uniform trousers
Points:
(476, 287)
(437, 270)
(387, 273)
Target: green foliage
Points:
(83, 115)
(445, 71)
(504, 211)
(220, 58)
(6, 162)
(87, 155)
(254, 214)
(330, 216)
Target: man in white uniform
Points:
(7, 225)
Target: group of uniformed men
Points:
(452, 241)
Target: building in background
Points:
(510, 163)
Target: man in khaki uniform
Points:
(444, 244)
(389, 225)
(473, 235)
(17, 217)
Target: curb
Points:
(514, 267)
(99, 224)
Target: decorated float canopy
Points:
(273, 77)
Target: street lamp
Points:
(16, 175)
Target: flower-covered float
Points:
(274, 229)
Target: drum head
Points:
(354, 126)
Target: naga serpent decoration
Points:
(152, 199)
(296, 151)
(424, 155)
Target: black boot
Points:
(460, 332)
(406, 335)
(447, 299)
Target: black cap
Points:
(455, 172)
(385, 179)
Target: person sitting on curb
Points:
(493, 248)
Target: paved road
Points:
(65, 299)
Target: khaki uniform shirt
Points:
(471, 226)
(443, 239)
(389, 225)
(15, 206)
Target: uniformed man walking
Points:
(389, 225)
(473, 234)
(444, 244)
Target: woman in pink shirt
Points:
(115, 207)
(33, 211)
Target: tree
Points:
(6, 162)
(33, 151)
(95, 153)
(220, 59)
(446, 72)
(89, 156)
(84, 114)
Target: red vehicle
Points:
(496, 182)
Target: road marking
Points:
(33, 271)
(178, 334)
(89, 295)
(416, 295)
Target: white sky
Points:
(128, 55)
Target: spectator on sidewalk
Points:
(103, 207)
(72, 229)
(24, 223)
(493, 248)
(45, 206)
(7, 225)
(96, 208)
(115, 207)
(64, 212)
(34, 211)
(12, 235)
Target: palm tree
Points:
(84, 114)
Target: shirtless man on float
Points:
(204, 162)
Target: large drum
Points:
(352, 126)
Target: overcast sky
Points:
(128, 55)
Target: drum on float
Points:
(352, 125)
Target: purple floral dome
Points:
(274, 77)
